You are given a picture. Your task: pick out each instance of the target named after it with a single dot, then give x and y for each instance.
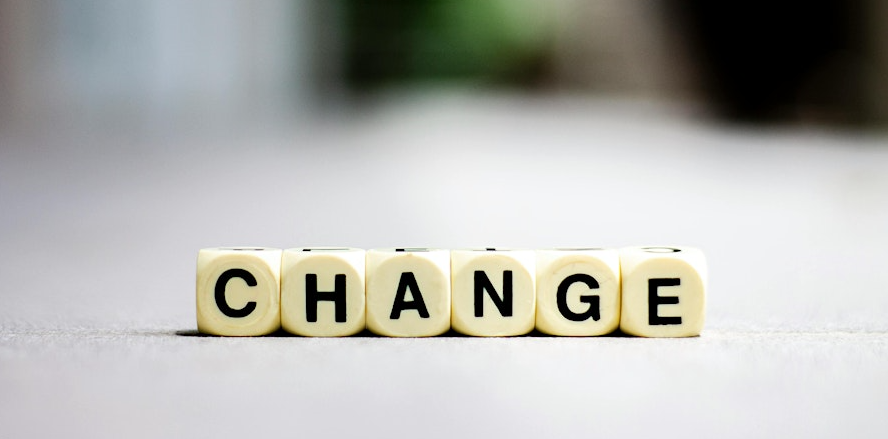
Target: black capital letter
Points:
(504, 304)
(593, 301)
(313, 296)
(655, 300)
(408, 280)
(220, 292)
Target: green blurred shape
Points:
(491, 41)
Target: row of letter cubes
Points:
(414, 292)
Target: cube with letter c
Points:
(238, 291)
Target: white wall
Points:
(161, 62)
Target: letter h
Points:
(312, 296)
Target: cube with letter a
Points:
(408, 292)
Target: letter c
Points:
(220, 292)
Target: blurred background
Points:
(169, 126)
(181, 65)
(132, 134)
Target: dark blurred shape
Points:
(819, 61)
(765, 61)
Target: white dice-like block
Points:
(664, 291)
(408, 292)
(322, 291)
(578, 291)
(494, 292)
(238, 291)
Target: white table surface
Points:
(99, 233)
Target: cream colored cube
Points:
(578, 291)
(408, 292)
(493, 291)
(322, 291)
(238, 291)
(664, 291)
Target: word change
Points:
(419, 292)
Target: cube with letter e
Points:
(664, 291)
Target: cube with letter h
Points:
(322, 291)
(238, 291)
(494, 291)
(664, 291)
